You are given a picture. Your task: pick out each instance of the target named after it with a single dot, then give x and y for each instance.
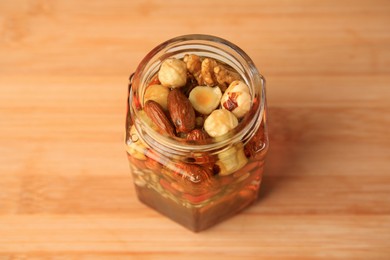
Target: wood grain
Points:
(65, 187)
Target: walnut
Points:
(193, 64)
(225, 76)
(210, 72)
(207, 70)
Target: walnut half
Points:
(210, 72)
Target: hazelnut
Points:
(231, 160)
(157, 93)
(237, 98)
(205, 99)
(173, 73)
(146, 119)
(219, 122)
(134, 146)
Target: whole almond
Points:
(197, 135)
(156, 113)
(193, 173)
(181, 111)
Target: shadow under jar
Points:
(197, 184)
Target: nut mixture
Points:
(196, 93)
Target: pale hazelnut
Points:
(146, 119)
(220, 122)
(173, 73)
(157, 93)
(237, 98)
(134, 146)
(231, 160)
(205, 99)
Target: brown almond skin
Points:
(181, 111)
(156, 113)
(193, 174)
(197, 135)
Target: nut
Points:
(192, 173)
(181, 111)
(225, 76)
(136, 150)
(158, 93)
(231, 160)
(156, 113)
(134, 146)
(210, 72)
(197, 135)
(194, 64)
(205, 99)
(173, 73)
(237, 99)
(219, 122)
(207, 70)
(146, 119)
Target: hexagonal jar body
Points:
(197, 185)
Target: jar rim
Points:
(172, 146)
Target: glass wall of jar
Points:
(196, 182)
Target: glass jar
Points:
(197, 185)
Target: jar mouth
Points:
(202, 45)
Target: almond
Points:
(156, 113)
(181, 111)
(197, 135)
(192, 173)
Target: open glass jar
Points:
(197, 184)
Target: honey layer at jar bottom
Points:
(197, 218)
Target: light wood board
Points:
(65, 186)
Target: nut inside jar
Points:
(198, 95)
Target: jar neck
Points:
(205, 46)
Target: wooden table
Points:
(65, 187)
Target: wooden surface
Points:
(65, 187)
